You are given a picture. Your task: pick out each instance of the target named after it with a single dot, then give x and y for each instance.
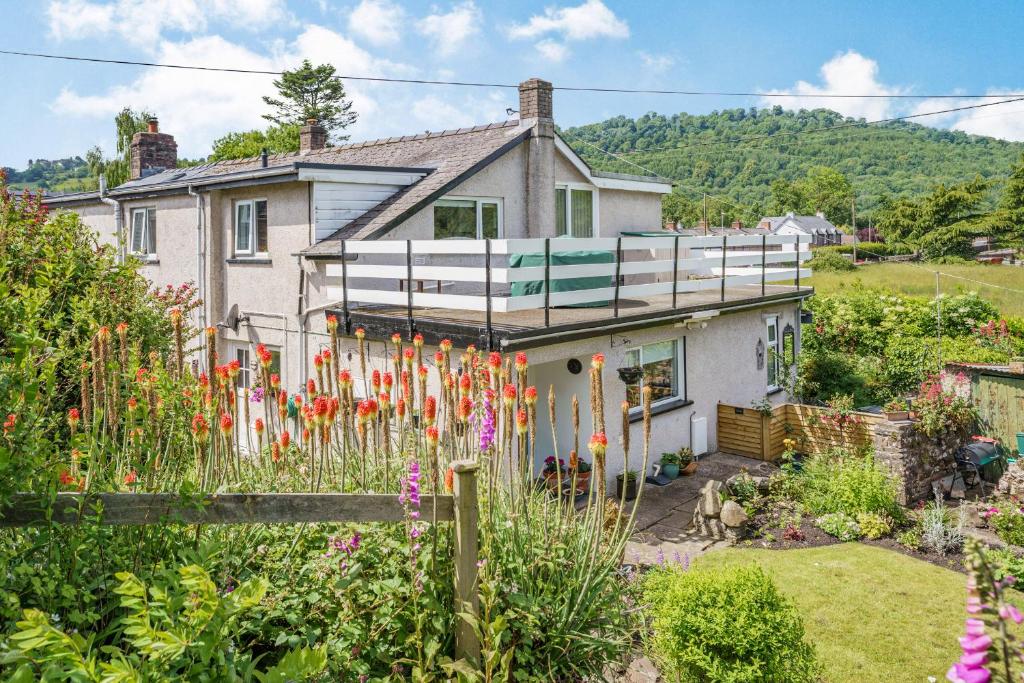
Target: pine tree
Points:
(311, 93)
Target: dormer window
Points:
(251, 227)
(475, 218)
(143, 237)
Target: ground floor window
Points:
(248, 370)
(468, 218)
(773, 361)
(659, 366)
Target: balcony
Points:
(510, 293)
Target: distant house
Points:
(817, 226)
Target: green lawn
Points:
(872, 614)
(919, 279)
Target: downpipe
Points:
(118, 221)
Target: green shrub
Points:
(873, 525)
(910, 538)
(1006, 562)
(839, 524)
(725, 625)
(852, 484)
(1009, 526)
(830, 261)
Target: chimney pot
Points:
(535, 100)
(153, 125)
(312, 137)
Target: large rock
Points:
(710, 504)
(733, 515)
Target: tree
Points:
(677, 207)
(311, 93)
(126, 124)
(275, 139)
(823, 189)
(1012, 201)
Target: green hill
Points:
(703, 153)
(57, 175)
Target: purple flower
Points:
(257, 395)
(486, 426)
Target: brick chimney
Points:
(536, 114)
(737, 224)
(312, 137)
(151, 152)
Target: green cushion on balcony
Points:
(569, 258)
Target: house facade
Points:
(497, 235)
(821, 231)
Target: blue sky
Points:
(54, 109)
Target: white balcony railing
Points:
(503, 276)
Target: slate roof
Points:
(812, 225)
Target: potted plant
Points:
(896, 410)
(687, 461)
(626, 482)
(670, 465)
(553, 472)
(581, 468)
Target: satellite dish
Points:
(233, 319)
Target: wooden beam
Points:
(228, 508)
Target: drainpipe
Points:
(118, 224)
(200, 259)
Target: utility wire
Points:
(474, 84)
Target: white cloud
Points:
(377, 21)
(1003, 121)
(552, 50)
(657, 63)
(142, 22)
(450, 30)
(847, 73)
(592, 19)
(434, 113)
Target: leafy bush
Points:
(181, 627)
(839, 524)
(869, 249)
(1008, 524)
(944, 410)
(725, 625)
(910, 538)
(1006, 562)
(939, 532)
(830, 261)
(873, 525)
(852, 484)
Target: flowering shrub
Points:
(873, 525)
(1007, 520)
(942, 409)
(839, 413)
(725, 625)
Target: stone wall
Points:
(917, 460)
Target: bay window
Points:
(467, 218)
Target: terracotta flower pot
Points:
(897, 415)
(689, 469)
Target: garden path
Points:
(663, 519)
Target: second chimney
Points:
(312, 137)
(151, 152)
(535, 102)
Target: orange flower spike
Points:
(305, 435)
(521, 362)
(326, 354)
(388, 381)
(471, 349)
(66, 479)
(598, 444)
(131, 478)
(509, 394)
(431, 434)
(311, 387)
(597, 361)
(275, 382)
(104, 333)
(132, 403)
(360, 333)
(430, 410)
(530, 396)
(574, 460)
(345, 378)
(385, 402)
(234, 367)
(320, 409)
(396, 339)
(332, 323)
(445, 345)
(318, 361)
(449, 480)
(409, 355)
(332, 408)
(522, 421)
(423, 372)
(465, 384)
(438, 358)
(226, 424)
(375, 381)
(259, 426)
(417, 341)
(494, 360)
(363, 411)
(286, 439)
(465, 408)
(74, 417)
(400, 408)
(373, 408)
(275, 452)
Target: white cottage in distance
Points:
(497, 235)
(821, 231)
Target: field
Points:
(919, 280)
(872, 614)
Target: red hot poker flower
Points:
(375, 381)
(431, 434)
(597, 361)
(74, 417)
(465, 408)
(286, 439)
(396, 339)
(445, 345)
(530, 396)
(430, 410)
(522, 422)
(131, 478)
(389, 381)
(332, 323)
(521, 362)
(598, 444)
(258, 425)
(360, 333)
(311, 387)
(494, 360)
(226, 424)
(438, 357)
(318, 361)
(417, 341)
(509, 393)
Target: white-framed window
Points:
(773, 351)
(659, 366)
(575, 210)
(248, 370)
(474, 218)
(251, 227)
(143, 237)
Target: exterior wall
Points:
(622, 210)
(566, 172)
(175, 261)
(100, 218)
(727, 342)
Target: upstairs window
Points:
(656, 366)
(467, 218)
(143, 237)
(251, 227)
(574, 211)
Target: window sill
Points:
(663, 407)
(250, 260)
(772, 392)
(146, 260)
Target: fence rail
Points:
(137, 509)
(677, 264)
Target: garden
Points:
(117, 454)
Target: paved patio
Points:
(663, 519)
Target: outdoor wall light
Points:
(574, 366)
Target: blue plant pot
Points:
(670, 470)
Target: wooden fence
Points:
(746, 431)
(136, 509)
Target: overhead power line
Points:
(477, 84)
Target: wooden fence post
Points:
(467, 645)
